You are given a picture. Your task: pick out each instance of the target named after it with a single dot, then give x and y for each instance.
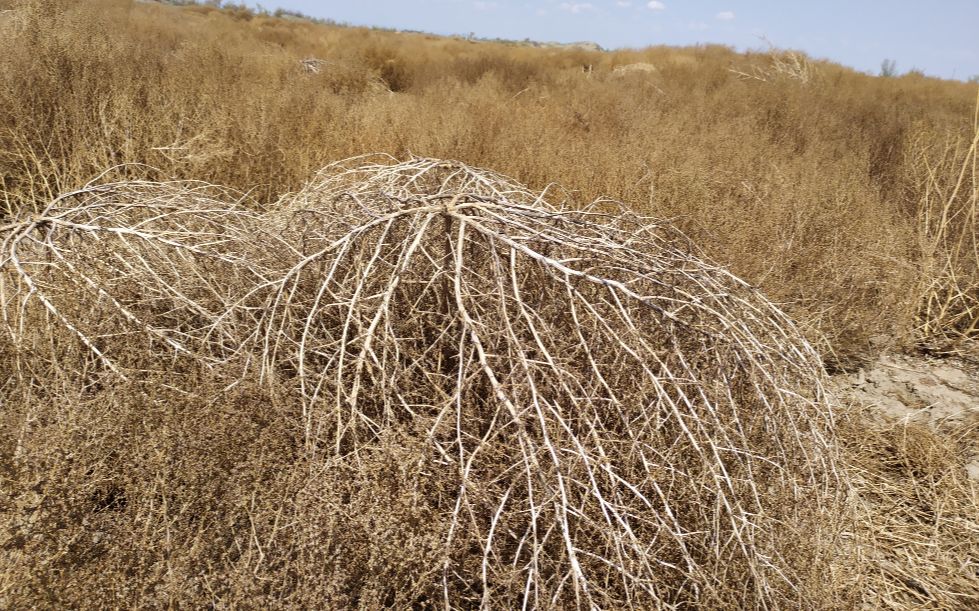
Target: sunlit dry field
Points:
(297, 315)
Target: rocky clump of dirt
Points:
(939, 393)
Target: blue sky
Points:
(939, 37)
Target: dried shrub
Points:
(589, 412)
(946, 186)
(129, 270)
(197, 93)
(622, 421)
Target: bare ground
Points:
(940, 393)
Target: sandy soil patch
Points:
(940, 393)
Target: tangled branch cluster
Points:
(622, 422)
(146, 272)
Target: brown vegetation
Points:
(805, 186)
(602, 418)
(177, 429)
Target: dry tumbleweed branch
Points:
(165, 264)
(623, 422)
(948, 227)
(627, 423)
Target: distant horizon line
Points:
(284, 13)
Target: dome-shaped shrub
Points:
(618, 420)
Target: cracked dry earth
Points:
(940, 393)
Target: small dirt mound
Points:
(934, 392)
(911, 441)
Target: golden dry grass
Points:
(804, 186)
(181, 479)
(610, 419)
(917, 525)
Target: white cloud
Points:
(655, 5)
(725, 16)
(577, 7)
(697, 26)
(624, 3)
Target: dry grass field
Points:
(236, 372)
